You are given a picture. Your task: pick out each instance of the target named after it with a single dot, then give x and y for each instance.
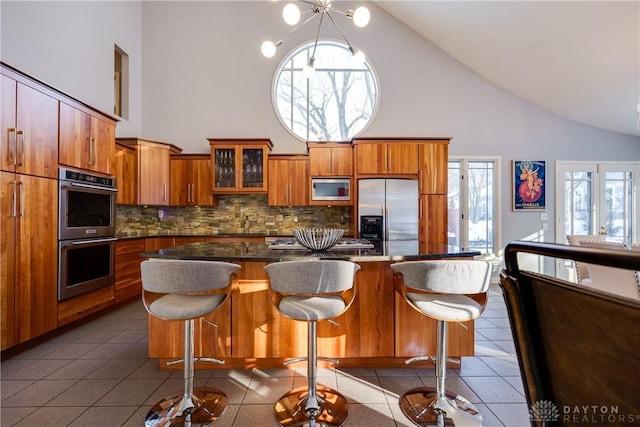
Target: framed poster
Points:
(529, 185)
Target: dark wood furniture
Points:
(577, 347)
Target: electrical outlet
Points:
(545, 226)
(544, 216)
(295, 218)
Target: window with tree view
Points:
(334, 102)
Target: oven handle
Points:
(87, 242)
(93, 187)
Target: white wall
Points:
(70, 45)
(198, 72)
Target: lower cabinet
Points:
(128, 282)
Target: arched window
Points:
(335, 103)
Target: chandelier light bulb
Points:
(268, 49)
(361, 17)
(291, 14)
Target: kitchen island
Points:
(380, 329)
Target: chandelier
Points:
(318, 8)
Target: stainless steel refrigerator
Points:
(396, 200)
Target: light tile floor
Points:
(99, 374)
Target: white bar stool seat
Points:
(439, 289)
(186, 290)
(310, 291)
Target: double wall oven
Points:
(86, 232)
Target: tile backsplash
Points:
(235, 214)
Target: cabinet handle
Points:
(190, 193)
(389, 160)
(21, 186)
(12, 146)
(14, 197)
(164, 191)
(331, 161)
(91, 142)
(420, 207)
(20, 148)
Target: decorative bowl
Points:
(318, 239)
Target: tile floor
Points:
(99, 375)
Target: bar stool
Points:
(186, 290)
(310, 291)
(439, 289)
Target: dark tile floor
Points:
(99, 374)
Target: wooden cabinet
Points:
(124, 169)
(29, 120)
(128, 283)
(288, 180)
(330, 159)
(29, 256)
(153, 170)
(86, 140)
(385, 157)
(191, 180)
(432, 222)
(434, 166)
(239, 165)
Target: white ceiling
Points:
(578, 59)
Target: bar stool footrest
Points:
(209, 403)
(422, 406)
(290, 408)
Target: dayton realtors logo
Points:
(547, 411)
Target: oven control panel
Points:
(76, 176)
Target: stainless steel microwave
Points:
(330, 189)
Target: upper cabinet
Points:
(239, 165)
(288, 180)
(330, 159)
(191, 180)
(87, 141)
(125, 172)
(385, 156)
(434, 164)
(153, 170)
(29, 136)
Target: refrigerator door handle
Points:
(386, 221)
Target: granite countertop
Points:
(247, 251)
(145, 236)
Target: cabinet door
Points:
(75, 137)
(298, 183)
(320, 161)
(402, 158)
(103, 136)
(225, 175)
(36, 257)
(8, 199)
(8, 124)
(37, 146)
(201, 183)
(330, 161)
(288, 182)
(342, 161)
(125, 172)
(252, 173)
(432, 223)
(433, 175)
(154, 168)
(278, 193)
(180, 182)
(371, 158)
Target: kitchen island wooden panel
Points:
(378, 330)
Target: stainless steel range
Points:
(344, 244)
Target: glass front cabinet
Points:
(240, 165)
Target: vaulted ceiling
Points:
(578, 59)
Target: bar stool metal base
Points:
(209, 402)
(422, 406)
(290, 408)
